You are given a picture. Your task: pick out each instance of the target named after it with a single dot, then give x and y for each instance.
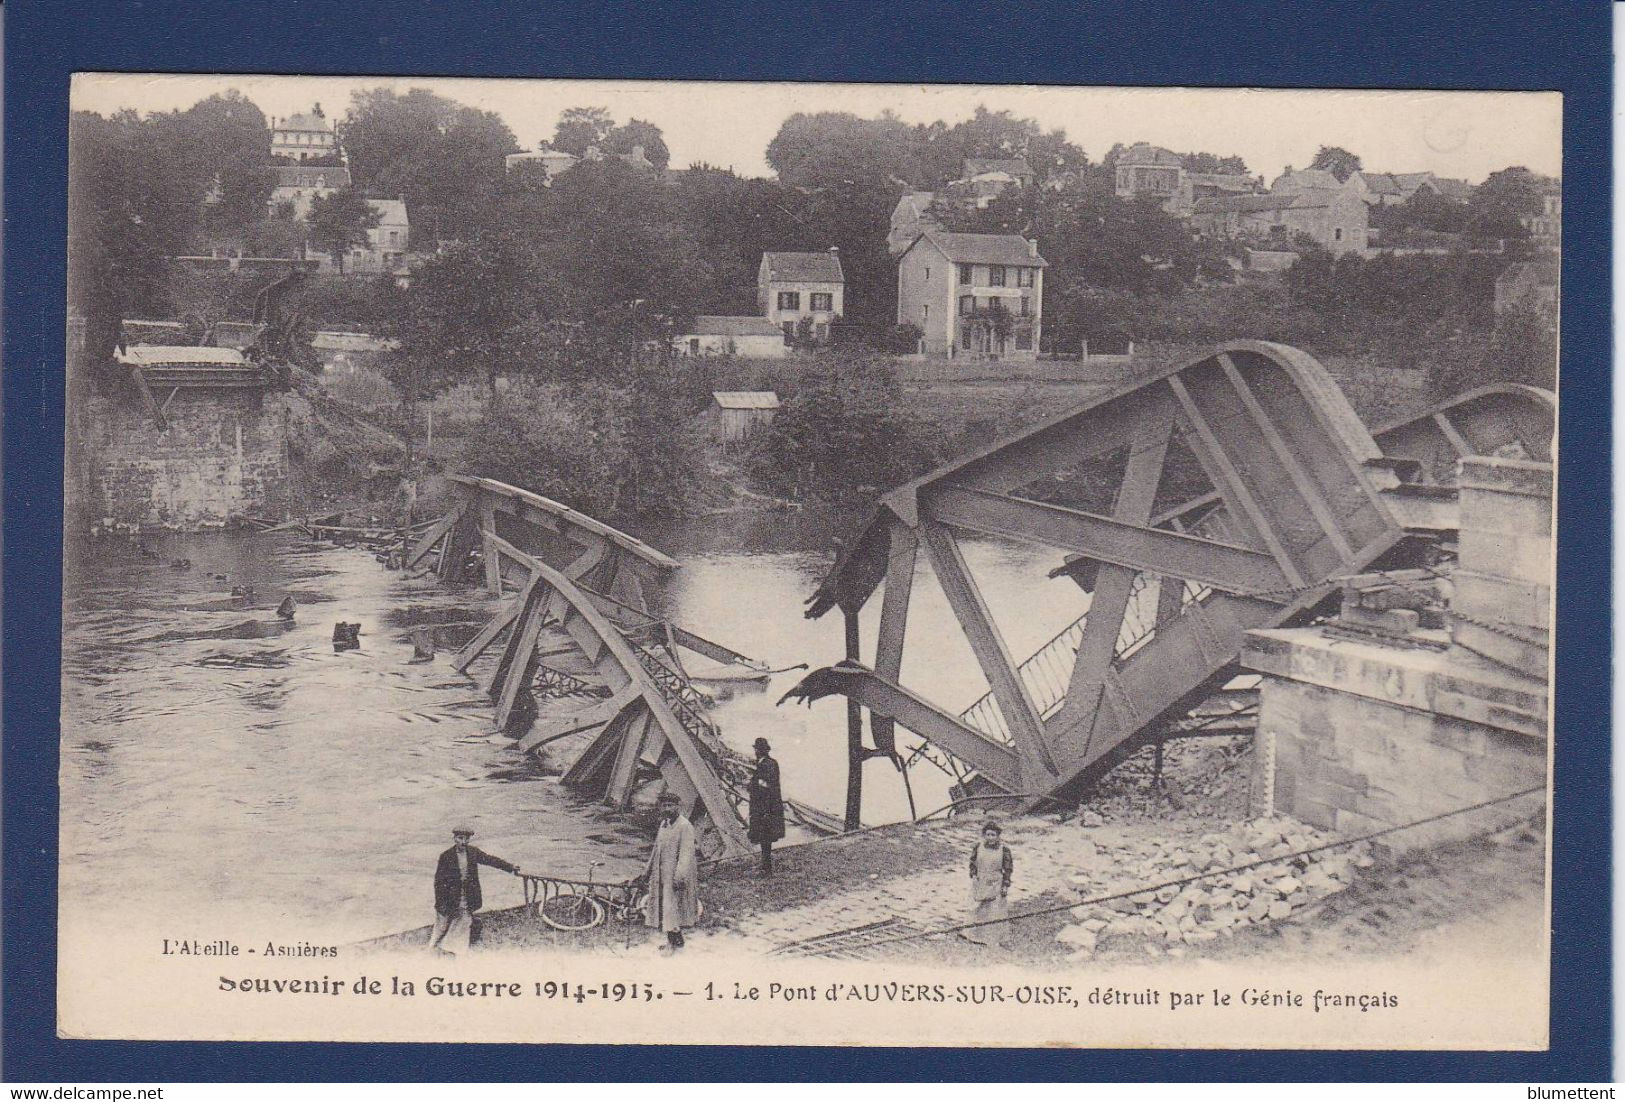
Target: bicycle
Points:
(575, 906)
(571, 906)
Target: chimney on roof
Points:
(1032, 246)
(834, 250)
(317, 111)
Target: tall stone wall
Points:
(1357, 737)
(222, 452)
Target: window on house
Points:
(925, 313)
(789, 300)
(1337, 234)
(995, 275)
(1026, 308)
(822, 300)
(1024, 277)
(693, 346)
(967, 305)
(928, 275)
(967, 273)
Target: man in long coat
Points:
(457, 891)
(766, 805)
(673, 875)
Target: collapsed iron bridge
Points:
(1230, 493)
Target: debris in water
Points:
(284, 611)
(180, 564)
(346, 636)
(422, 646)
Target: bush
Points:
(843, 435)
(362, 387)
(903, 339)
(612, 452)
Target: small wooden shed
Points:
(734, 415)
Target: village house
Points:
(747, 337)
(987, 178)
(1529, 284)
(733, 416)
(385, 250)
(304, 137)
(791, 287)
(1337, 219)
(557, 161)
(297, 187)
(1294, 181)
(972, 293)
(1546, 228)
(1010, 170)
(1386, 189)
(342, 352)
(1147, 170)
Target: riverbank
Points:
(897, 892)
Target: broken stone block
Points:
(1279, 910)
(1076, 936)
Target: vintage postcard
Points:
(589, 561)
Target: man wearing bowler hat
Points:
(766, 805)
(457, 891)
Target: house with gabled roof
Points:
(909, 218)
(796, 287)
(1149, 170)
(297, 187)
(1294, 180)
(1336, 218)
(1016, 168)
(973, 293)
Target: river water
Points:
(218, 766)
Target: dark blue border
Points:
(1490, 44)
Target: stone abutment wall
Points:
(221, 453)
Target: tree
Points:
(580, 128)
(126, 213)
(339, 220)
(1503, 200)
(1336, 160)
(840, 150)
(637, 132)
(443, 158)
(618, 450)
(1212, 162)
(220, 147)
(277, 237)
(844, 433)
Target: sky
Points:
(729, 124)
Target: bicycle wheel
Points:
(572, 913)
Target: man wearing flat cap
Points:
(673, 875)
(457, 891)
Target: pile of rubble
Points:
(1200, 778)
(1172, 918)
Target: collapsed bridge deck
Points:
(1223, 495)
